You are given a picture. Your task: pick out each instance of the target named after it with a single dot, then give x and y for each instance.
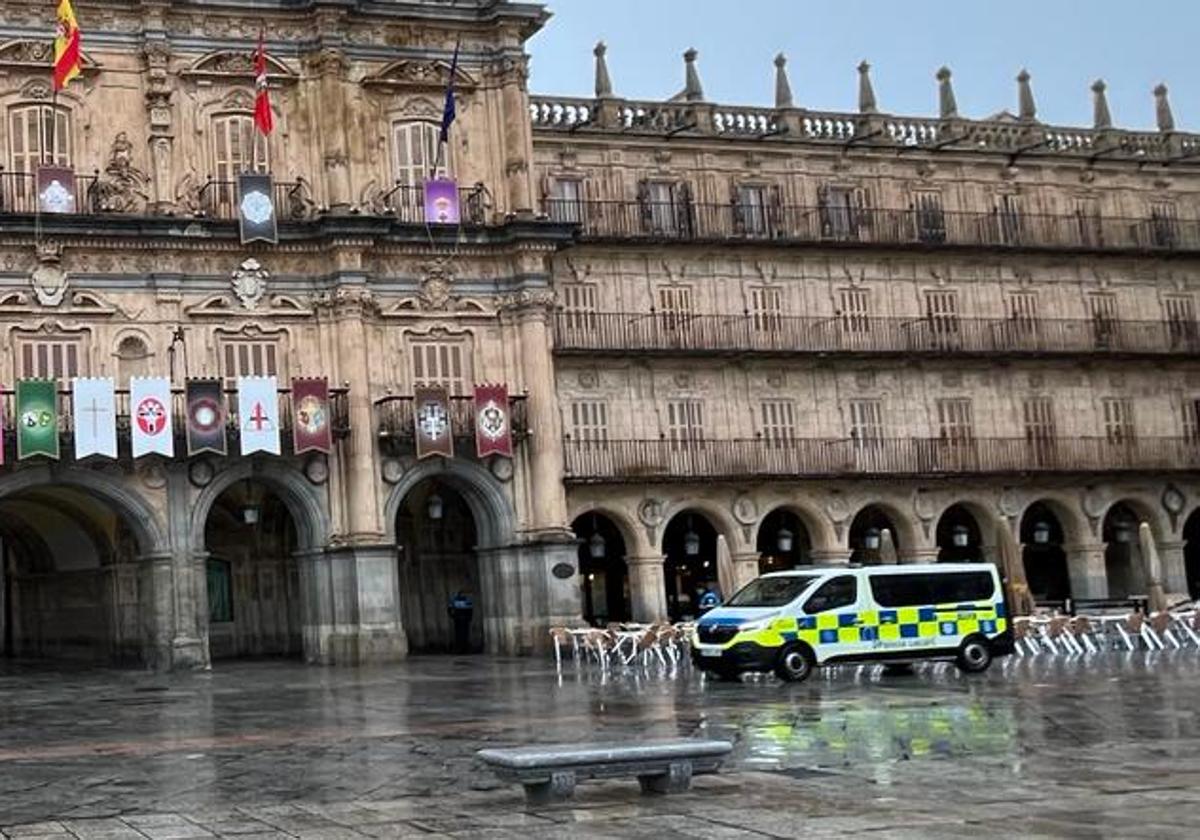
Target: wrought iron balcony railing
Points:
(338, 408)
(768, 333)
(686, 221)
(617, 461)
(396, 424)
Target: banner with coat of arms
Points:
(493, 426)
(205, 417)
(37, 418)
(431, 416)
(311, 430)
(151, 424)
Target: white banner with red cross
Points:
(258, 414)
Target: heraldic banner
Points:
(311, 431)
(258, 414)
(150, 407)
(95, 408)
(432, 418)
(205, 417)
(37, 418)
(493, 426)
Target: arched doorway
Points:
(252, 575)
(783, 542)
(1122, 554)
(1191, 553)
(436, 544)
(69, 587)
(873, 537)
(1043, 555)
(604, 576)
(959, 538)
(690, 546)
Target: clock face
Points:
(257, 207)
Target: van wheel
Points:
(975, 655)
(795, 663)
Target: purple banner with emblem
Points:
(441, 202)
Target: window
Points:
(1088, 222)
(941, 313)
(674, 306)
(834, 594)
(589, 422)
(566, 201)
(133, 359)
(855, 310)
(778, 421)
(1023, 312)
(579, 306)
(415, 146)
(1040, 431)
(250, 358)
(441, 363)
(685, 423)
(1103, 309)
(751, 210)
(929, 217)
(1191, 419)
(955, 421)
(237, 147)
(1118, 420)
(1181, 319)
(866, 422)
(1009, 219)
(919, 590)
(771, 591)
(52, 357)
(220, 591)
(844, 212)
(766, 308)
(37, 134)
(1164, 224)
(664, 207)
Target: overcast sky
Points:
(1066, 45)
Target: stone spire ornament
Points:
(1102, 116)
(693, 91)
(604, 88)
(1026, 106)
(1162, 110)
(783, 87)
(866, 93)
(947, 104)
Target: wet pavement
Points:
(1055, 748)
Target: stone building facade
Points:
(787, 335)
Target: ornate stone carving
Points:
(249, 282)
(348, 300)
(437, 287)
(48, 279)
(119, 190)
(651, 512)
(745, 510)
(528, 299)
(412, 73)
(201, 473)
(316, 469)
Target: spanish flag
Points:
(67, 54)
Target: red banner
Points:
(493, 423)
(431, 417)
(311, 429)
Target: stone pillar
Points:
(518, 135)
(526, 590)
(647, 588)
(745, 569)
(156, 605)
(157, 56)
(329, 66)
(1085, 564)
(1174, 567)
(350, 612)
(189, 647)
(830, 556)
(921, 554)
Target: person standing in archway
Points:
(462, 608)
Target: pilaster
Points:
(647, 588)
(1174, 566)
(350, 612)
(1085, 565)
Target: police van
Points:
(791, 622)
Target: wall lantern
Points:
(871, 539)
(1123, 531)
(691, 543)
(250, 515)
(1041, 533)
(435, 507)
(597, 546)
(784, 540)
(961, 536)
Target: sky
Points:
(1065, 44)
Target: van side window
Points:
(962, 586)
(911, 590)
(900, 590)
(834, 594)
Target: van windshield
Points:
(771, 591)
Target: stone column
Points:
(157, 57)
(189, 647)
(1085, 565)
(349, 610)
(329, 66)
(647, 588)
(1174, 566)
(745, 569)
(156, 605)
(518, 134)
(923, 554)
(526, 590)
(830, 556)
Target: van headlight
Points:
(754, 626)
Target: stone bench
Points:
(550, 773)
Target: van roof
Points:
(915, 568)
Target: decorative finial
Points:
(947, 104)
(783, 87)
(1162, 110)
(866, 93)
(604, 89)
(1102, 118)
(1026, 106)
(693, 91)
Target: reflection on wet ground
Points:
(1040, 736)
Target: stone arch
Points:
(820, 531)
(908, 535)
(718, 517)
(625, 526)
(1144, 509)
(1074, 524)
(309, 511)
(142, 520)
(495, 519)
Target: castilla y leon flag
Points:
(264, 120)
(493, 429)
(258, 414)
(94, 404)
(311, 431)
(150, 421)
(431, 415)
(205, 417)
(68, 53)
(37, 418)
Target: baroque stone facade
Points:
(774, 334)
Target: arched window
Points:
(416, 149)
(133, 359)
(237, 148)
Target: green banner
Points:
(37, 418)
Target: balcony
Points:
(338, 408)
(641, 461)
(769, 334)
(396, 424)
(685, 221)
